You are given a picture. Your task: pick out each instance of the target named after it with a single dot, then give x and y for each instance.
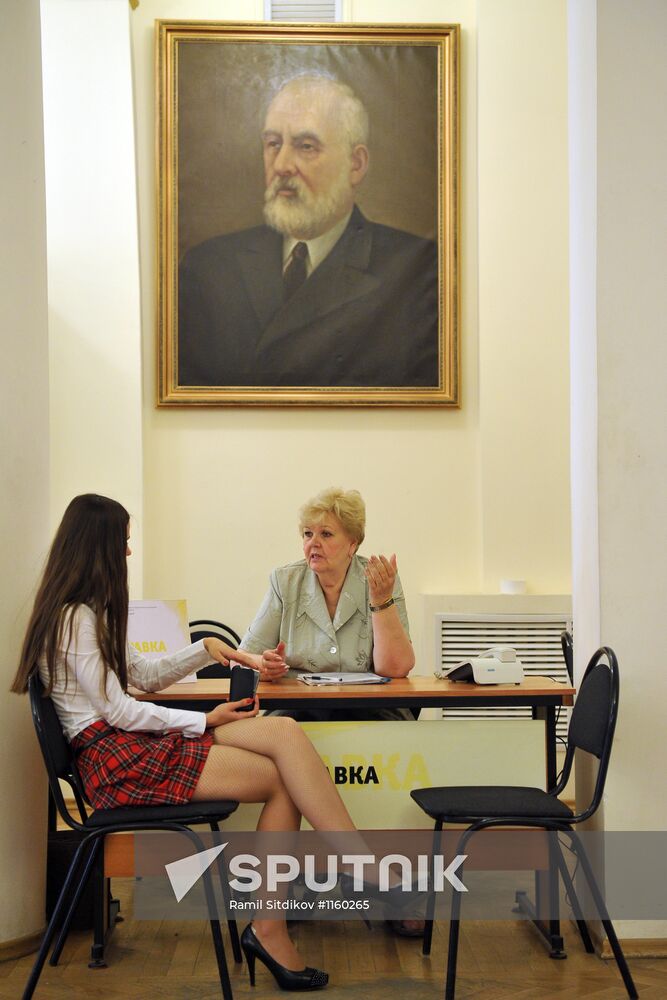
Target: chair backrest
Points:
(593, 720)
(57, 753)
(202, 628)
(568, 653)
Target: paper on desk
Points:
(341, 677)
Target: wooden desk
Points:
(542, 694)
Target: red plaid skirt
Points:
(119, 768)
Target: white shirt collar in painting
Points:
(318, 248)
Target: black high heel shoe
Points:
(305, 979)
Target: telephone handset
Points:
(506, 654)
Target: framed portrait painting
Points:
(307, 220)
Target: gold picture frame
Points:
(242, 105)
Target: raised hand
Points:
(381, 576)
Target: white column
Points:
(618, 186)
(24, 462)
(583, 328)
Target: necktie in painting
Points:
(295, 272)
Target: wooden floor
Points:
(169, 961)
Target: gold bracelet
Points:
(381, 607)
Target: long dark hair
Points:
(86, 565)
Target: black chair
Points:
(203, 628)
(568, 653)
(94, 826)
(592, 730)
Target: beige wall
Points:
(523, 294)
(463, 495)
(24, 459)
(462, 501)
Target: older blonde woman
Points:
(333, 609)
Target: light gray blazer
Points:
(294, 611)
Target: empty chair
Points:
(591, 729)
(202, 628)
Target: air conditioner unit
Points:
(465, 626)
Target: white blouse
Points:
(80, 699)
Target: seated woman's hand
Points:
(381, 576)
(272, 663)
(228, 711)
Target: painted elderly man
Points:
(319, 296)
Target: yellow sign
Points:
(374, 765)
(155, 628)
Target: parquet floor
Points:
(170, 961)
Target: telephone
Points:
(497, 665)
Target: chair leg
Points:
(430, 900)
(58, 912)
(100, 915)
(604, 917)
(224, 885)
(574, 900)
(83, 882)
(223, 971)
(216, 934)
(555, 936)
(545, 919)
(453, 949)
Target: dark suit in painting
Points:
(367, 316)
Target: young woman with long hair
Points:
(137, 753)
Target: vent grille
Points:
(302, 10)
(536, 639)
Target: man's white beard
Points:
(305, 215)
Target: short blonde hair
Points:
(347, 505)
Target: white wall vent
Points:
(534, 634)
(303, 10)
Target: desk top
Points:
(418, 690)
